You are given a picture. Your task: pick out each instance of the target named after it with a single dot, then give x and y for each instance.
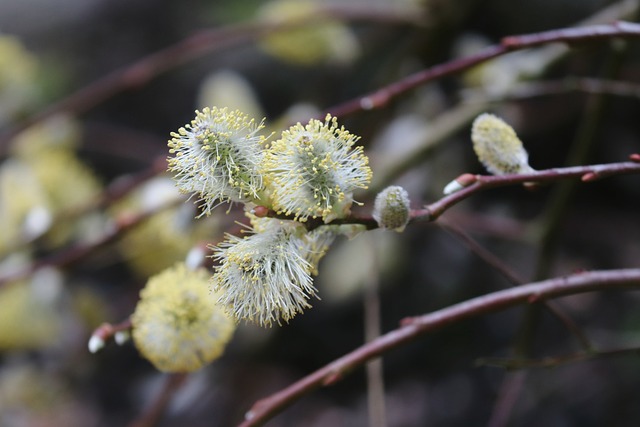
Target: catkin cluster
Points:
(311, 171)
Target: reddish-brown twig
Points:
(195, 46)
(76, 253)
(477, 183)
(484, 182)
(382, 96)
(413, 327)
(173, 383)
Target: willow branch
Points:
(202, 42)
(384, 95)
(79, 252)
(588, 173)
(153, 414)
(413, 327)
(507, 272)
(480, 183)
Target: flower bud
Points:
(96, 343)
(391, 208)
(498, 147)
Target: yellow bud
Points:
(498, 147)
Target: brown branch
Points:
(383, 96)
(411, 328)
(76, 253)
(530, 90)
(193, 47)
(506, 271)
(478, 183)
(173, 383)
(589, 173)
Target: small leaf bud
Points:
(459, 183)
(391, 208)
(121, 337)
(96, 343)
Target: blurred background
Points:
(103, 83)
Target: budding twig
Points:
(413, 327)
(383, 96)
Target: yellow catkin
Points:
(178, 325)
(498, 147)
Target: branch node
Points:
(407, 321)
(534, 298)
(589, 177)
(332, 378)
(375, 100)
(464, 180)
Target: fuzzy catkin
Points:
(178, 325)
(391, 208)
(498, 147)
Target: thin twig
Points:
(480, 183)
(173, 383)
(383, 96)
(485, 255)
(506, 271)
(76, 253)
(413, 327)
(552, 362)
(193, 47)
(508, 394)
(375, 375)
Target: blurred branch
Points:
(110, 195)
(413, 327)
(552, 362)
(444, 126)
(383, 96)
(76, 253)
(497, 264)
(193, 47)
(529, 90)
(173, 383)
(478, 183)
(481, 252)
(375, 370)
